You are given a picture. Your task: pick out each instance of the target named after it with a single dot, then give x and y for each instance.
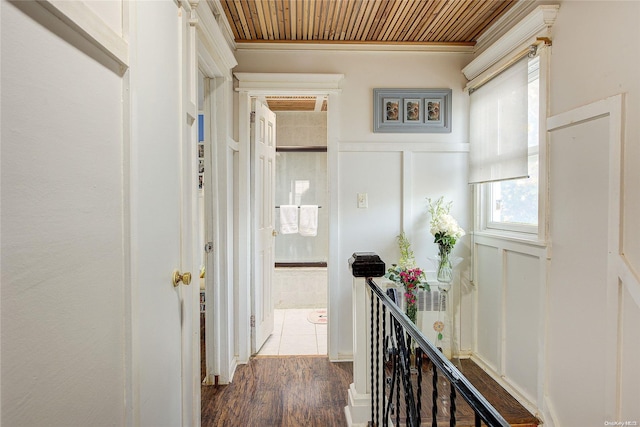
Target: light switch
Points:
(363, 200)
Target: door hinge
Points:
(252, 117)
(252, 321)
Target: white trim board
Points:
(416, 147)
(537, 23)
(259, 84)
(612, 109)
(79, 17)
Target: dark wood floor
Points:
(292, 391)
(310, 391)
(505, 404)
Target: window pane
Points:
(516, 201)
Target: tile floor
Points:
(294, 334)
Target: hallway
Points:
(289, 391)
(310, 391)
(294, 334)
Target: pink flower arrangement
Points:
(411, 280)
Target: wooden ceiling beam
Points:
(232, 18)
(363, 16)
(418, 20)
(365, 25)
(379, 21)
(283, 19)
(352, 26)
(248, 19)
(334, 19)
(299, 19)
(486, 23)
(404, 22)
(465, 21)
(450, 19)
(439, 19)
(427, 19)
(273, 18)
(395, 14)
(322, 26)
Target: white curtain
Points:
(498, 127)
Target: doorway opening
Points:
(300, 284)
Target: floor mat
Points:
(318, 316)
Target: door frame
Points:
(215, 61)
(263, 142)
(280, 84)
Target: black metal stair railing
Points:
(394, 376)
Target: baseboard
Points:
(358, 410)
(510, 388)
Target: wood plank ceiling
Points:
(381, 22)
(453, 22)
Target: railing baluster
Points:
(373, 419)
(384, 352)
(397, 367)
(434, 398)
(392, 384)
(419, 386)
(452, 418)
(396, 348)
(377, 369)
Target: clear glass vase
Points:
(445, 268)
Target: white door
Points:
(163, 185)
(263, 153)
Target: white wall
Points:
(301, 128)
(397, 171)
(610, 66)
(546, 329)
(94, 153)
(63, 274)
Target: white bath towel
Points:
(288, 219)
(309, 220)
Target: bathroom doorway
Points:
(300, 284)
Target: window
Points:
(513, 204)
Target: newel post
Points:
(363, 265)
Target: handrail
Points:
(482, 408)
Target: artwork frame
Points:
(391, 110)
(422, 110)
(432, 109)
(412, 111)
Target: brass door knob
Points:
(184, 278)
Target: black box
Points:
(366, 264)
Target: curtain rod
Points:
(531, 51)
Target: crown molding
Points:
(213, 48)
(537, 23)
(218, 13)
(337, 45)
(299, 83)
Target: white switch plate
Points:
(363, 200)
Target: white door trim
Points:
(215, 61)
(189, 239)
(257, 84)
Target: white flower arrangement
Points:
(444, 227)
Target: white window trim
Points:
(537, 235)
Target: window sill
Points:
(513, 236)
